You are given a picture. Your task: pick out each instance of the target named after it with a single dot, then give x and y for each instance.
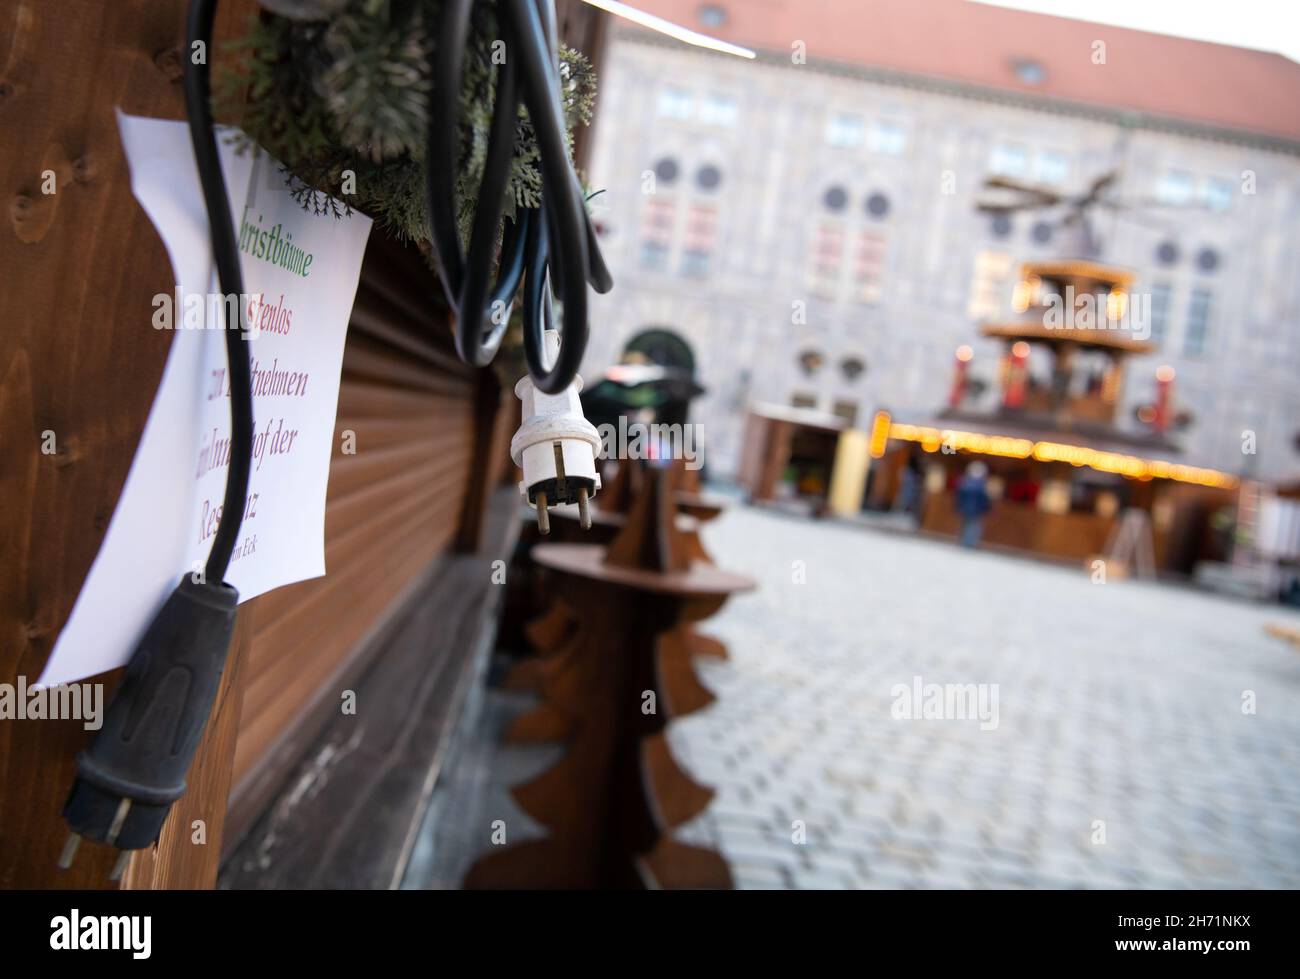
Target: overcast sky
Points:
(1269, 25)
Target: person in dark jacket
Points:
(911, 492)
(973, 502)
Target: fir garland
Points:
(343, 86)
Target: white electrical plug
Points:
(555, 446)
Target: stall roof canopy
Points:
(1036, 331)
(807, 417)
(1030, 54)
(1074, 448)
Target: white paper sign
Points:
(300, 276)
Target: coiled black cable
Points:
(571, 261)
(226, 255)
(555, 245)
(135, 768)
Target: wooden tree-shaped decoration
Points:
(611, 689)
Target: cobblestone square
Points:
(1123, 715)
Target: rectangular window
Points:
(695, 263)
(657, 221)
(719, 110)
(1198, 322)
(1175, 187)
(844, 131)
(657, 218)
(869, 267)
(699, 240)
(1009, 160)
(676, 103)
(1216, 193)
(654, 256)
(826, 260)
(1051, 167)
(701, 226)
(1160, 296)
(886, 137)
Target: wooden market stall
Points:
(1064, 474)
(789, 454)
(411, 516)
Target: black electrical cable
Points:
(483, 312)
(571, 258)
(136, 765)
(226, 255)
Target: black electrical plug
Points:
(135, 768)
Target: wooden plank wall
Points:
(350, 810)
(393, 507)
(431, 441)
(78, 358)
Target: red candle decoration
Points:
(1014, 394)
(1164, 397)
(959, 376)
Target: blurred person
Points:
(973, 502)
(910, 486)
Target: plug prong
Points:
(69, 851)
(543, 516)
(119, 820)
(119, 868)
(584, 514)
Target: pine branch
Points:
(348, 97)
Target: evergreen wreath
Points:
(332, 87)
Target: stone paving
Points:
(1146, 735)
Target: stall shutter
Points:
(403, 449)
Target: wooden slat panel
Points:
(379, 319)
(393, 507)
(373, 361)
(409, 490)
(367, 400)
(361, 793)
(293, 669)
(311, 665)
(77, 358)
(352, 560)
(355, 541)
(382, 433)
(86, 368)
(354, 475)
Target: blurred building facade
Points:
(807, 221)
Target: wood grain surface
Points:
(78, 359)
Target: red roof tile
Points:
(1214, 84)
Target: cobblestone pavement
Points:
(1119, 715)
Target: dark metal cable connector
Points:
(129, 776)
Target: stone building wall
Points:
(724, 181)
